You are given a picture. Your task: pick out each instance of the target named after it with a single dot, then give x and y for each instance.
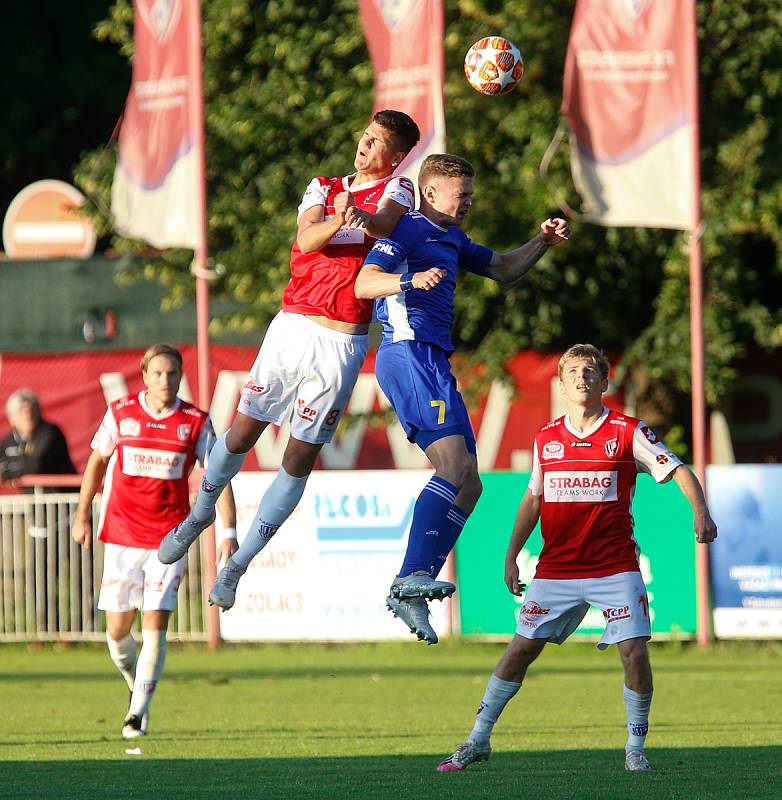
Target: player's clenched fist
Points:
(555, 231)
(342, 202)
(429, 279)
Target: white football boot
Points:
(421, 584)
(466, 754)
(414, 612)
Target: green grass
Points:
(372, 721)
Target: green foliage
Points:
(288, 86)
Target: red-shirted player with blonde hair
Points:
(583, 479)
(146, 446)
(313, 350)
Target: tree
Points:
(288, 85)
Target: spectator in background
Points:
(34, 446)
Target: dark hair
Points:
(161, 349)
(444, 165)
(402, 126)
(589, 352)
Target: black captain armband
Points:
(406, 282)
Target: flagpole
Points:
(702, 604)
(202, 293)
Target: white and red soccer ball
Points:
(493, 65)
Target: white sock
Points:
(148, 669)
(221, 466)
(276, 506)
(123, 654)
(637, 705)
(498, 693)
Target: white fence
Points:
(49, 585)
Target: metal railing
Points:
(49, 584)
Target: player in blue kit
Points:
(413, 274)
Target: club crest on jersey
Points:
(129, 427)
(553, 450)
(611, 446)
(183, 432)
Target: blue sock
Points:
(428, 526)
(455, 520)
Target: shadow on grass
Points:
(686, 774)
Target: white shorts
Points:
(304, 373)
(135, 578)
(553, 609)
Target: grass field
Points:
(372, 721)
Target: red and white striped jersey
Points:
(322, 282)
(145, 492)
(587, 482)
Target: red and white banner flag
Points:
(405, 41)
(630, 100)
(155, 194)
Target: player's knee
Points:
(244, 433)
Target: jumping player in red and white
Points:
(146, 446)
(314, 348)
(582, 484)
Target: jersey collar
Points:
(347, 181)
(142, 401)
(587, 433)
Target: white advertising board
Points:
(326, 573)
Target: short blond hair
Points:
(588, 351)
(444, 165)
(161, 349)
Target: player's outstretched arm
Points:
(315, 230)
(509, 267)
(705, 528)
(226, 505)
(526, 518)
(380, 224)
(90, 484)
(373, 282)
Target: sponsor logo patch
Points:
(611, 446)
(532, 612)
(250, 386)
(581, 444)
(305, 412)
(553, 450)
(383, 247)
(661, 459)
(144, 462)
(158, 426)
(615, 614)
(580, 487)
(129, 427)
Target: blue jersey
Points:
(416, 245)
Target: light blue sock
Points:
(276, 506)
(221, 466)
(426, 530)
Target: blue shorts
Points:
(416, 378)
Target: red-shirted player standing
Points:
(146, 446)
(313, 350)
(582, 484)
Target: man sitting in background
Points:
(33, 446)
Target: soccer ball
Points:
(493, 65)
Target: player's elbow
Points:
(364, 290)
